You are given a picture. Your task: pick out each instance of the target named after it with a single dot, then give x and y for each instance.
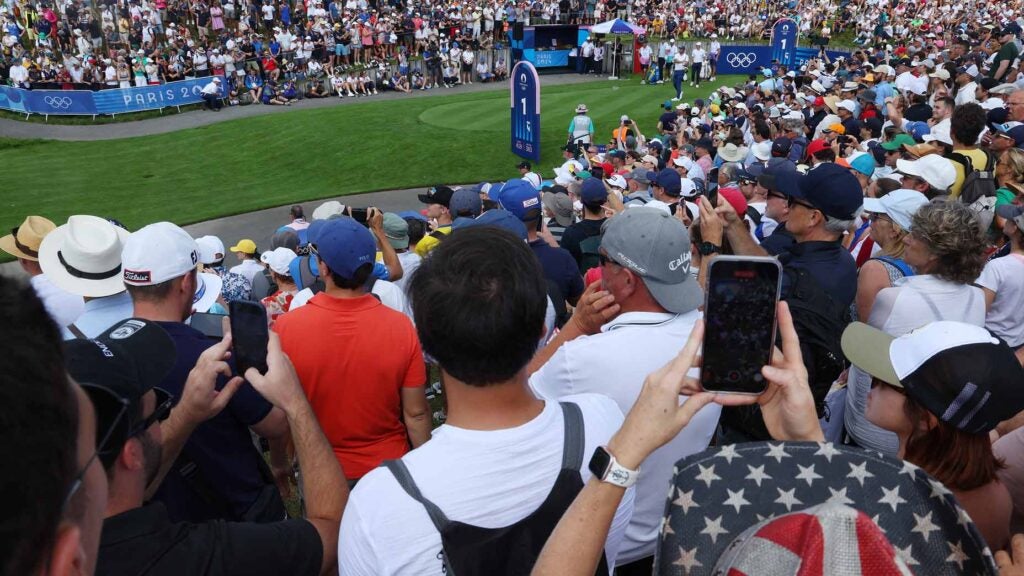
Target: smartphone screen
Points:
(249, 335)
(208, 324)
(739, 323)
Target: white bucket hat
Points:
(208, 288)
(84, 256)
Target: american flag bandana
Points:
(718, 495)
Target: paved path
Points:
(172, 121)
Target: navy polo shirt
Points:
(829, 263)
(560, 267)
(779, 241)
(221, 448)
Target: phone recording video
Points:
(249, 335)
(739, 323)
(360, 215)
(209, 324)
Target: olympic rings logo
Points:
(741, 59)
(59, 102)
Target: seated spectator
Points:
(520, 459)
(279, 261)
(1002, 282)
(483, 72)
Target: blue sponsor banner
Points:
(53, 102)
(743, 59)
(784, 41)
(550, 58)
(115, 101)
(525, 111)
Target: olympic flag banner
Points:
(784, 41)
(743, 59)
(525, 111)
(114, 101)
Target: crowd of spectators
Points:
(555, 321)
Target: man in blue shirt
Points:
(219, 474)
(559, 266)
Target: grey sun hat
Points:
(561, 207)
(655, 246)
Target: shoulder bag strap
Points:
(575, 439)
(931, 303)
(401, 474)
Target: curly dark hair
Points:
(967, 122)
(952, 233)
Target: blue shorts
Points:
(339, 50)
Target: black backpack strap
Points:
(754, 215)
(401, 474)
(575, 439)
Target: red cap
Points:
(734, 197)
(608, 169)
(819, 101)
(816, 146)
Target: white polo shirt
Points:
(615, 363)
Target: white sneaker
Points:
(661, 81)
(676, 99)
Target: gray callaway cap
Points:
(655, 246)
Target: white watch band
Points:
(619, 475)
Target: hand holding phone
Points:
(740, 323)
(249, 335)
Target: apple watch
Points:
(707, 249)
(604, 466)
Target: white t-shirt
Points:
(698, 55)
(1005, 318)
(410, 262)
(248, 269)
(615, 363)
(488, 479)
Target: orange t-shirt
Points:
(353, 357)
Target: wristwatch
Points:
(604, 466)
(707, 248)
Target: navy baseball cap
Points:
(593, 191)
(781, 146)
(785, 182)
(521, 199)
(668, 179)
(1012, 130)
(344, 245)
(437, 195)
(831, 189)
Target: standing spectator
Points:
(436, 199)
(396, 229)
(1002, 281)
(479, 302)
(359, 361)
(248, 266)
(646, 273)
(83, 257)
(23, 243)
(219, 474)
(588, 230)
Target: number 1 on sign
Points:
(523, 102)
(783, 43)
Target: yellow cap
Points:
(245, 245)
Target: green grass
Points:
(254, 163)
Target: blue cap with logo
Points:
(344, 245)
(498, 218)
(520, 198)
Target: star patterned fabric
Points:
(722, 492)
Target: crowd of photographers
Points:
(503, 379)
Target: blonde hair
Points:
(1015, 159)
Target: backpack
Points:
(754, 216)
(819, 324)
(590, 256)
(978, 183)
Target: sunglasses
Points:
(779, 195)
(164, 403)
(872, 216)
(791, 201)
(604, 259)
